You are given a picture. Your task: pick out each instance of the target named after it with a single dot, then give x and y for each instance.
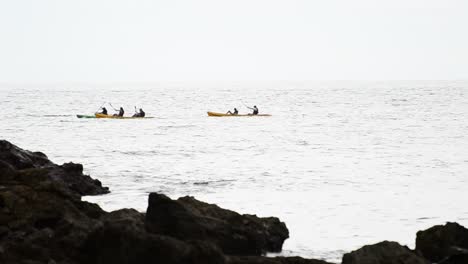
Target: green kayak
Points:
(86, 116)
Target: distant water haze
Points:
(344, 164)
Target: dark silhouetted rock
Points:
(7, 172)
(277, 260)
(43, 223)
(273, 230)
(21, 159)
(122, 239)
(383, 253)
(459, 258)
(189, 219)
(442, 241)
(30, 168)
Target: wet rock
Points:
(235, 234)
(383, 253)
(440, 242)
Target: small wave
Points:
(201, 183)
(136, 152)
(181, 126)
(425, 218)
(55, 115)
(206, 182)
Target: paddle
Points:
(113, 107)
(246, 106)
(101, 107)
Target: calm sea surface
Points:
(344, 164)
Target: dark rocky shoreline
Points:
(44, 220)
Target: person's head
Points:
(141, 110)
(121, 108)
(255, 106)
(104, 108)
(235, 109)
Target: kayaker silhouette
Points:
(121, 112)
(233, 113)
(104, 111)
(139, 114)
(255, 110)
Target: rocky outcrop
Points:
(277, 260)
(31, 168)
(126, 241)
(459, 258)
(20, 159)
(383, 253)
(189, 219)
(442, 241)
(43, 222)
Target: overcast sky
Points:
(144, 41)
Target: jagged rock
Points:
(30, 168)
(277, 260)
(461, 258)
(274, 231)
(7, 172)
(71, 175)
(42, 224)
(22, 159)
(122, 239)
(235, 234)
(383, 253)
(442, 241)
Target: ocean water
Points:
(344, 164)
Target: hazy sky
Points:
(137, 40)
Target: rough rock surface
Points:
(122, 239)
(385, 252)
(31, 168)
(189, 219)
(440, 242)
(461, 258)
(277, 260)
